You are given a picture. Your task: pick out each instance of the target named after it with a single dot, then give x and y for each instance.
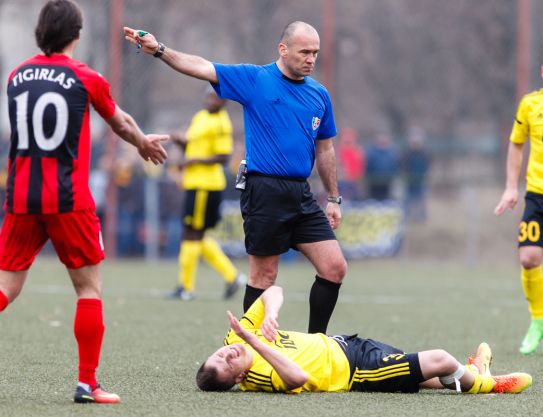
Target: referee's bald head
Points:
(294, 27)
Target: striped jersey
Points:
(529, 124)
(318, 355)
(208, 135)
(49, 158)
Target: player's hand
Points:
(269, 328)
(508, 201)
(151, 148)
(144, 40)
(333, 213)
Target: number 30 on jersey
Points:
(529, 231)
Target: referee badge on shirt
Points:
(315, 122)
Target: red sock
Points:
(3, 301)
(89, 331)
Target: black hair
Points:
(59, 24)
(207, 379)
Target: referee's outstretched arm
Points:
(191, 65)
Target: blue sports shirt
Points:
(283, 118)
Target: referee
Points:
(289, 126)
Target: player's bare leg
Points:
(262, 275)
(11, 284)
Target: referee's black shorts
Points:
(280, 213)
(378, 367)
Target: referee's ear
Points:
(283, 49)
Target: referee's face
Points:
(300, 54)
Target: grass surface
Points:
(153, 347)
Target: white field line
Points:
(292, 296)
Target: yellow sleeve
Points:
(279, 385)
(193, 126)
(224, 143)
(521, 126)
(262, 377)
(251, 321)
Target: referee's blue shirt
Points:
(283, 118)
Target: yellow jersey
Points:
(209, 134)
(318, 355)
(529, 123)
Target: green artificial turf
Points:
(153, 346)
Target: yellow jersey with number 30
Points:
(318, 355)
(529, 124)
(209, 134)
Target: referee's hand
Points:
(144, 40)
(333, 213)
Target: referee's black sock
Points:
(251, 295)
(322, 300)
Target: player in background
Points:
(528, 124)
(207, 146)
(260, 357)
(49, 98)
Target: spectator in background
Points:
(207, 145)
(98, 183)
(171, 205)
(128, 177)
(352, 164)
(382, 167)
(4, 148)
(415, 163)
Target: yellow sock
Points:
(532, 283)
(214, 256)
(481, 384)
(471, 367)
(189, 256)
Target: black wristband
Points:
(160, 50)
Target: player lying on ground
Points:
(259, 357)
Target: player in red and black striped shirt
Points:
(48, 197)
